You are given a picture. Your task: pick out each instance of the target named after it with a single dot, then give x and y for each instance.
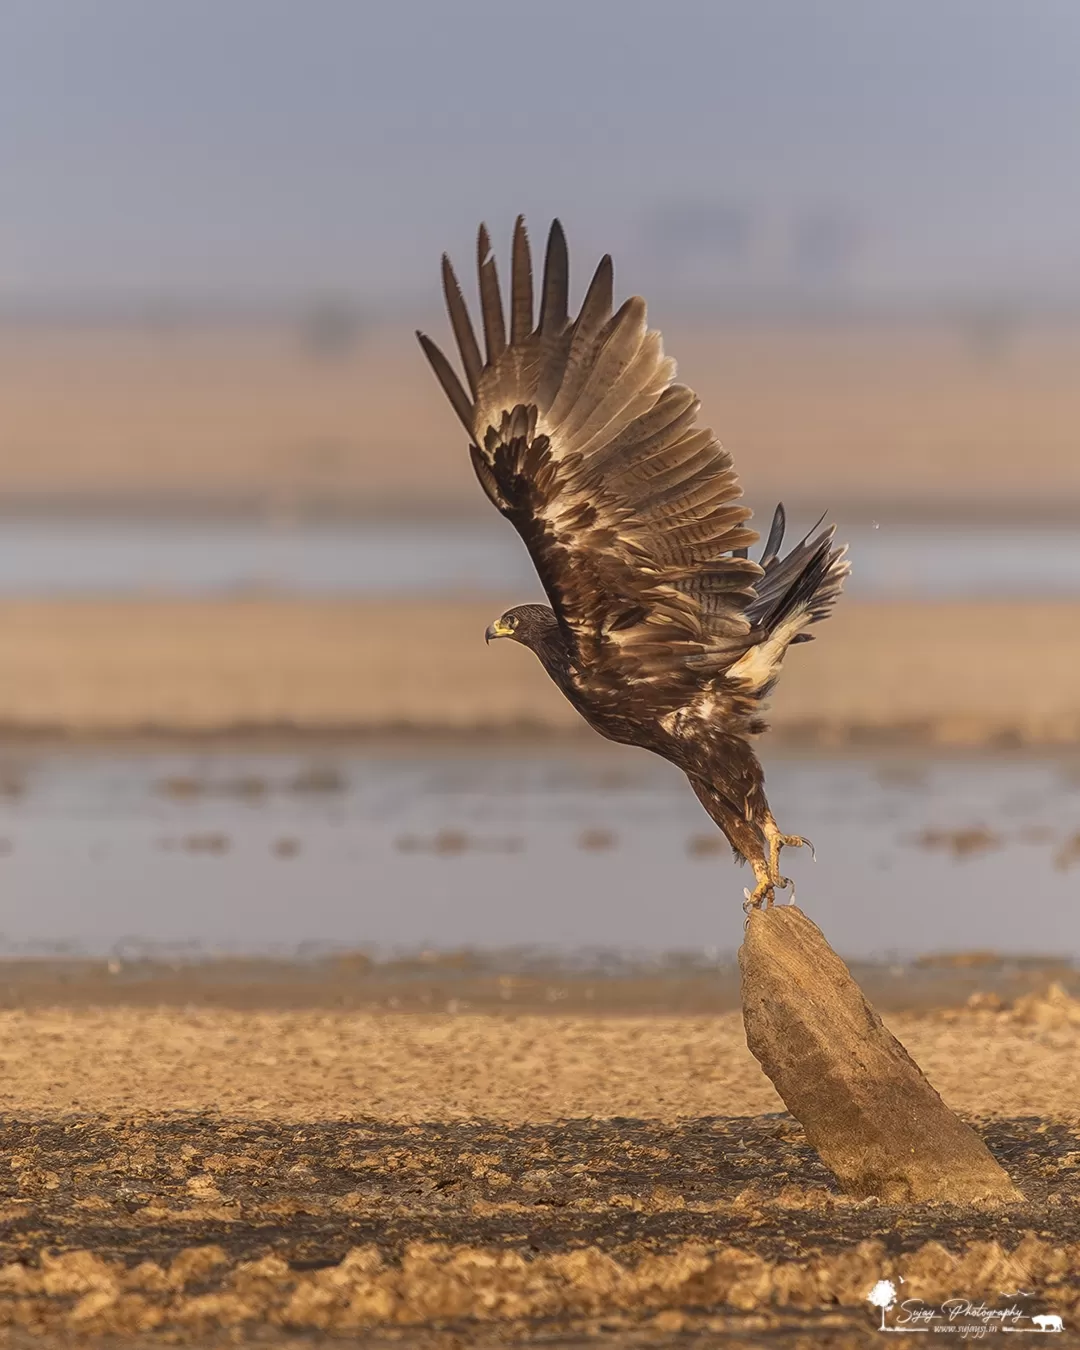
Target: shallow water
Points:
(256, 852)
(92, 556)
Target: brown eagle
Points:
(661, 632)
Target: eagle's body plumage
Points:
(661, 631)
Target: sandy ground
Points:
(955, 417)
(308, 1066)
(208, 1177)
(950, 674)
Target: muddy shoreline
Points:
(494, 983)
(258, 416)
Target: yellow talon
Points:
(762, 894)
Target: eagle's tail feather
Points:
(816, 588)
(811, 575)
(796, 591)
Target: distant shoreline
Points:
(489, 982)
(341, 510)
(947, 675)
(932, 420)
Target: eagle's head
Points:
(533, 625)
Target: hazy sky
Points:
(280, 147)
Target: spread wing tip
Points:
(451, 385)
(555, 293)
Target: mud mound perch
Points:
(864, 1103)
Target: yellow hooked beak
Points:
(498, 629)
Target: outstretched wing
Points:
(580, 437)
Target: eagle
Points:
(661, 630)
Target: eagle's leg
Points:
(744, 834)
(775, 842)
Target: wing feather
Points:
(521, 286)
(573, 357)
(555, 301)
(598, 303)
(491, 309)
(464, 334)
(451, 385)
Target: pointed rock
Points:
(865, 1105)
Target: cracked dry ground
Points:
(210, 1176)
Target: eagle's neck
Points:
(547, 641)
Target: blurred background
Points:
(244, 565)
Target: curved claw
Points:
(797, 841)
(777, 841)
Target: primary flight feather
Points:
(661, 632)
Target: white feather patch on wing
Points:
(762, 663)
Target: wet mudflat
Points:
(173, 853)
(200, 555)
(195, 1227)
(147, 1189)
